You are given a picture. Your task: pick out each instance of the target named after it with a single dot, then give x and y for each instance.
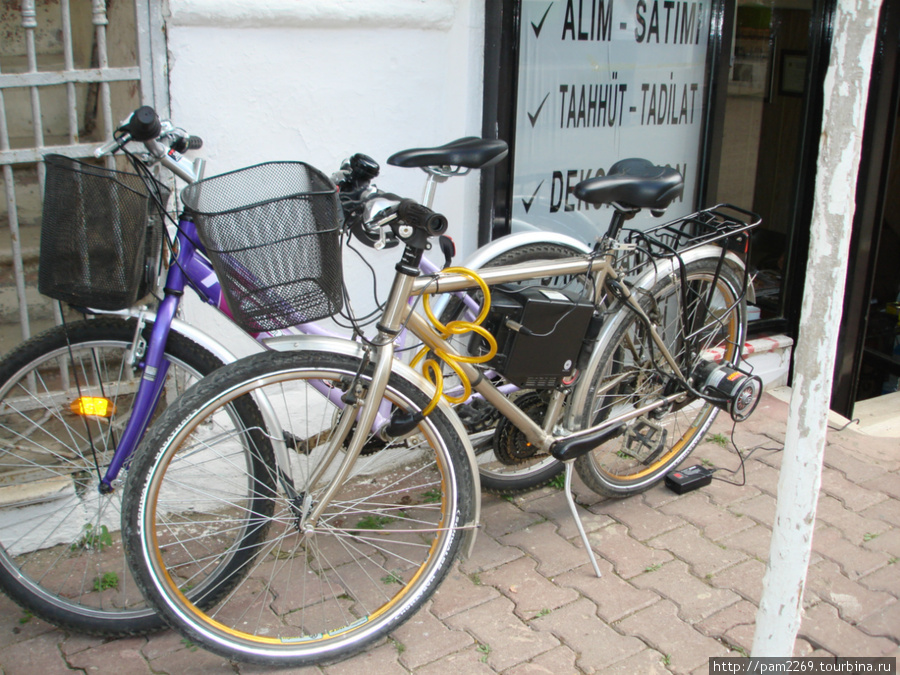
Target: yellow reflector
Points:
(95, 406)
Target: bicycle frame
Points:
(398, 315)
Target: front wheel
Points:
(631, 373)
(310, 591)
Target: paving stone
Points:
(770, 452)
(853, 468)
(553, 553)
(853, 601)
(511, 641)
(252, 669)
(694, 599)
(642, 521)
(763, 477)
(717, 625)
(628, 556)
(20, 625)
(468, 661)
(886, 579)
(459, 592)
(647, 662)
(657, 496)
(191, 661)
(879, 451)
(614, 597)
(659, 627)
(714, 521)
(726, 490)
(598, 646)
(555, 508)
(531, 593)
(119, 656)
(501, 517)
(558, 660)
(851, 495)
(884, 623)
(888, 511)
(380, 659)
(488, 553)
(755, 542)
(745, 579)
(887, 542)
(823, 628)
(853, 525)
(688, 544)
(760, 508)
(888, 484)
(713, 454)
(39, 654)
(426, 639)
(739, 639)
(854, 560)
(75, 642)
(162, 643)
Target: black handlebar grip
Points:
(144, 124)
(423, 218)
(184, 143)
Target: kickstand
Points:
(571, 500)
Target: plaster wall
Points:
(319, 80)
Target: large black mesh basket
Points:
(272, 232)
(101, 234)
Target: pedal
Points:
(645, 440)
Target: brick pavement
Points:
(681, 579)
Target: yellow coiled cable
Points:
(431, 367)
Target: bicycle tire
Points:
(509, 475)
(637, 374)
(313, 592)
(60, 548)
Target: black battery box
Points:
(539, 331)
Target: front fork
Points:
(362, 404)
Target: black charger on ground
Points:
(691, 478)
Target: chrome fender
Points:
(350, 348)
(646, 282)
(180, 326)
(480, 257)
(499, 246)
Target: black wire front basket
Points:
(272, 232)
(101, 234)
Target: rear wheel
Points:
(61, 556)
(312, 591)
(632, 373)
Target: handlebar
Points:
(164, 143)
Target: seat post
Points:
(617, 221)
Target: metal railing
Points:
(147, 44)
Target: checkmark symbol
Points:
(528, 202)
(537, 29)
(537, 112)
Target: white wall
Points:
(317, 80)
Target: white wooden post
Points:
(846, 95)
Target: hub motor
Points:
(728, 388)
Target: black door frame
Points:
(875, 158)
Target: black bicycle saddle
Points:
(470, 152)
(633, 183)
